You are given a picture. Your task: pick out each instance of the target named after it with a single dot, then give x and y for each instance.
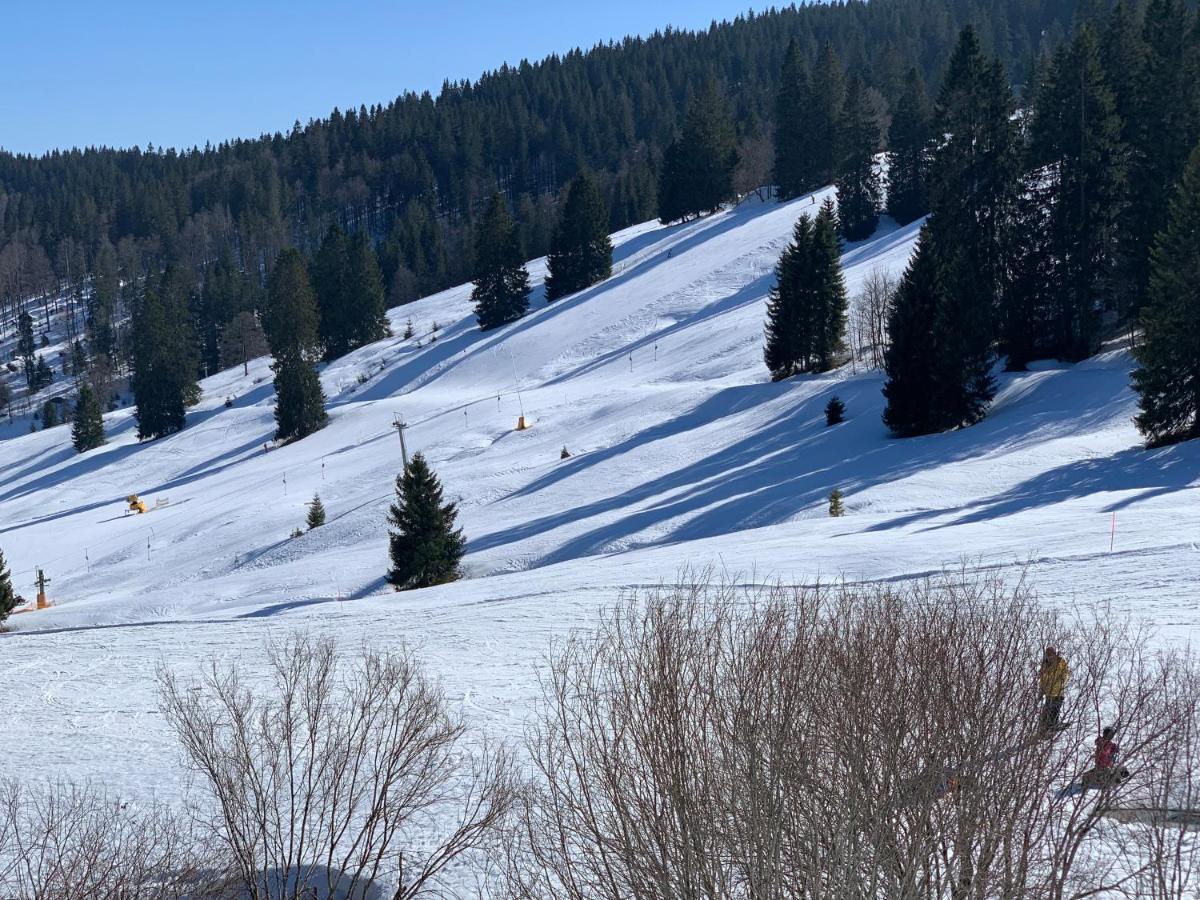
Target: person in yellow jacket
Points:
(1052, 683)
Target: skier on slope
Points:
(1052, 683)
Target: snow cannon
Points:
(136, 504)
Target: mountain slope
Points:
(683, 453)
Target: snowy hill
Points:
(683, 453)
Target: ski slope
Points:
(683, 454)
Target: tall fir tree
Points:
(786, 335)
(501, 293)
(1078, 164)
(806, 309)
(859, 189)
(909, 141)
(27, 349)
(1167, 379)
(824, 115)
(87, 431)
(697, 170)
(165, 355)
(973, 192)
(424, 545)
(291, 325)
(581, 254)
(1162, 134)
(793, 137)
(8, 597)
(911, 358)
(351, 300)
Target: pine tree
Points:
(26, 348)
(8, 597)
(836, 509)
(697, 171)
(835, 412)
(859, 190)
(581, 254)
(1167, 380)
(164, 356)
(1163, 132)
(42, 374)
(292, 333)
(909, 140)
(786, 337)
(911, 364)
(366, 304)
(316, 513)
(87, 431)
(829, 290)
(501, 293)
(291, 319)
(49, 414)
(824, 116)
(806, 309)
(973, 193)
(424, 545)
(1076, 145)
(329, 270)
(793, 137)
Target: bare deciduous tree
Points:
(854, 742)
(335, 776)
(869, 318)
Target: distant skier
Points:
(1052, 683)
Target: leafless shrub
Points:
(868, 318)
(333, 777)
(850, 742)
(63, 840)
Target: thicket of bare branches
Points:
(851, 742)
(869, 318)
(340, 776)
(66, 841)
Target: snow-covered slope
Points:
(683, 453)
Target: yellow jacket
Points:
(1052, 677)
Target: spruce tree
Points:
(425, 547)
(291, 317)
(42, 374)
(365, 315)
(911, 358)
(835, 412)
(697, 171)
(1076, 144)
(793, 137)
(1167, 379)
(786, 342)
(316, 513)
(973, 193)
(164, 356)
(49, 414)
(581, 254)
(836, 507)
(824, 116)
(87, 431)
(26, 349)
(501, 293)
(859, 190)
(292, 333)
(829, 291)
(330, 268)
(909, 138)
(8, 597)
(1163, 133)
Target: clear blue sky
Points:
(178, 73)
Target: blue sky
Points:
(134, 72)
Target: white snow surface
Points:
(683, 454)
